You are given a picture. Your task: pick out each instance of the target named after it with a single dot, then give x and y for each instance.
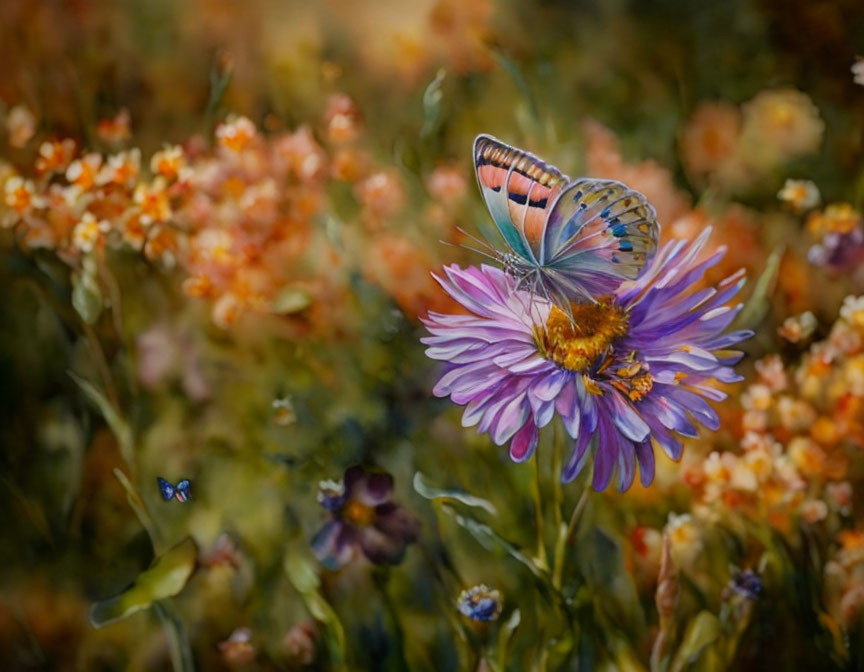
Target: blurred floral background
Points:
(218, 227)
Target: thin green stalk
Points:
(380, 579)
(541, 560)
(564, 533)
(557, 492)
(178, 641)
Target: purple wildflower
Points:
(746, 584)
(364, 519)
(838, 252)
(840, 238)
(627, 373)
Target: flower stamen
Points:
(576, 343)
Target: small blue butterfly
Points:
(180, 491)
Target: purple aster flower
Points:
(364, 519)
(629, 372)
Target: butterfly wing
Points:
(599, 233)
(182, 490)
(165, 488)
(519, 190)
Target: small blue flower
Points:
(746, 584)
(331, 495)
(479, 603)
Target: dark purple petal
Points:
(626, 464)
(353, 476)
(376, 488)
(379, 547)
(697, 406)
(667, 441)
(670, 415)
(524, 443)
(645, 456)
(605, 455)
(334, 544)
(396, 521)
(578, 457)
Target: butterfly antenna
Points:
(479, 241)
(473, 249)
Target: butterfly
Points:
(180, 491)
(564, 240)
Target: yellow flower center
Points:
(577, 343)
(357, 513)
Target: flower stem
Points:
(178, 641)
(564, 533)
(541, 561)
(557, 493)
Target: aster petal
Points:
(692, 358)
(731, 338)
(524, 442)
(511, 419)
(587, 405)
(578, 458)
(626, 464)
(480, 406)
(470, 378)
(645, 456)
(626, 419)
(567, 405)
(667, 441)
(497, 404)
(544, 413)
(605, 455)
(548, 387)
(697, 407)
(670, 415)
(533, 365)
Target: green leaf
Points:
(120, 428)
(303, 576)
(140, 509)
(220, 77)
(87, 297)
(510, 67)
(165, 578)
(291, 300)
(301, 572)
(701, 632)
(602, 565)
(757, 306)
(429, 492)
(491, 540)
(176, 636)
(506, 635)
(432, 97)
